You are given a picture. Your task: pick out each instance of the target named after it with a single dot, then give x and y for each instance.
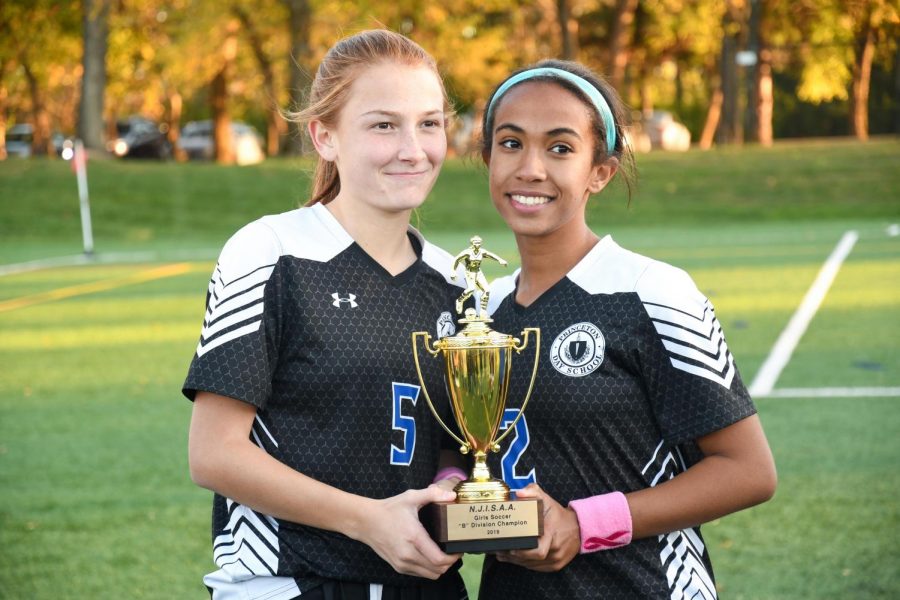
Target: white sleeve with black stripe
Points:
(693, 381)
(237, 349)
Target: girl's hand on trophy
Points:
(395, 533)
(560, 542)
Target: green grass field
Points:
(96, 500)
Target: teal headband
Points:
(582, 84)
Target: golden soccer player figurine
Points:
(471, 257)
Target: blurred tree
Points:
(95, 28)
(672, 59)
(895, 89)
(644, 61)
(620, 40)
(823, 51)
(222, 139)
(151, 68)
(276, 126)
(41, 144)
(873, 20)
(475, 43)
(568, 29)
(163, 57)
(780, 33)
(40, 66)
(299, 24)
(729, 131)
(841, 39)
(5, 67)
(761, 101)
(675, 52)
(7, 64)
(146, 63)
(480, 32)
(532, 29)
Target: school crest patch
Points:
(578, 350)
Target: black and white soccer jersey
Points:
(308, 328)
(633, 369)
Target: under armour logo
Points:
(350, 299)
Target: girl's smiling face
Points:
(389, 141)
(541, 160)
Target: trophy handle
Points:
(426, 338)
(537, 356)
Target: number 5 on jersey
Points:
(400, 392)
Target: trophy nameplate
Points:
(486, 526)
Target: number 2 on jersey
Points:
(399, 422)
(517, 446)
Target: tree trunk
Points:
(4, 94)
(276, 127)
(765, 99)
(862, 74)
(638, 60)
(646, 90)
(679, 88)
(223, 144)
(751, 73)
(41, 144)
(728, 131)
(712, 119)
(112, 114)
(222, 139)
(298, 23)
(174, 134)
(568, 29)
(93, 80)
(6, 67)
(897, 89)
(618, 40)
(760, 99)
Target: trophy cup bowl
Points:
(478, 362)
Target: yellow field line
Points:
(96, 286)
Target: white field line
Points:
(781, 352)
(836, 392)
(45, 263)
(106, 258)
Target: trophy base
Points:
(488, 546)
(472, 490)
(478, 527)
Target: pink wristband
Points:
(448, 472)
(605, 521)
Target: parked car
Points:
(636, 137)
(20, 139)
(140, 138)
(197, 142)
(659, 130)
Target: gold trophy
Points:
(477, 363)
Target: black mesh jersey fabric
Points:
(633, 369)
(305, 326)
